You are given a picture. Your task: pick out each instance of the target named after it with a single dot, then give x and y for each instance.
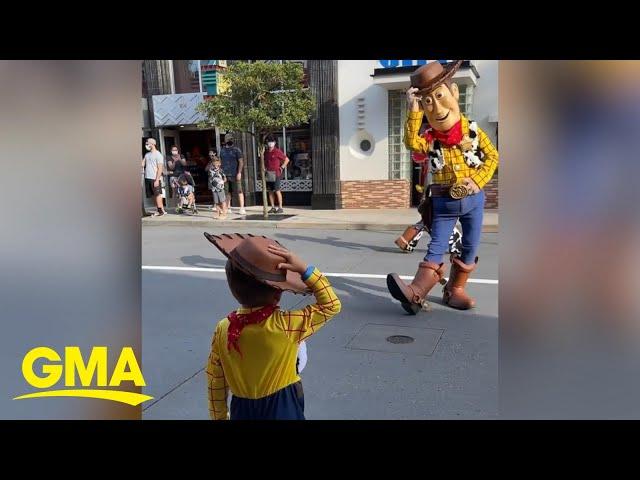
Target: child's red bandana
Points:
(238, 321)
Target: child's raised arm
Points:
(301, 324)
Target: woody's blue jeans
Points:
(446, 212)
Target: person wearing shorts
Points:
(153, 165)
(233, 187)
(232, 165)
(217, 185)
(151, 189)
(275, 163)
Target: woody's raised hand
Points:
(413, 101)
(292, 261)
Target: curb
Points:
(240, 224)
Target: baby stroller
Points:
(186, 195)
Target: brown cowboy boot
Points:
(412, 296)
(404, 241)
(454, 294)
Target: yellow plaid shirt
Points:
(269, 349)
(455, 168)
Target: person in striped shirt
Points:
(254, 350)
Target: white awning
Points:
(177, 109)
(397, 81)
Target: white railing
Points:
(300, 185)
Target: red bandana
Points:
(451, 137)
(238, 321)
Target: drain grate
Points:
(399, 339)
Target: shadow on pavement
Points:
(375, 302)
(204, 262)
(336, 242)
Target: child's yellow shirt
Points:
(269, 349)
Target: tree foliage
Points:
(262, 95)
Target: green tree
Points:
(259, 98)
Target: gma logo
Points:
(126, 370)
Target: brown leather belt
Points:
(455, 191)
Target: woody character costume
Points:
(462, 160)
(408, 241)
(254, 349)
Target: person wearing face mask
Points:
(153, 165)
(275, 163)
(176, 165)
(462, 160)
(232, 165)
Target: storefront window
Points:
(399, 156)
(466, 99)
(186, 76)
(299, 152)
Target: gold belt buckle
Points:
(458, 191)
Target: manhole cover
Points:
(396, 339)
(399, 339)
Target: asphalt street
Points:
(448, 371)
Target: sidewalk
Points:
(304, 217)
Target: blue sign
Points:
(405, 63)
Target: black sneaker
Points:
(279, 210)
(273, 210)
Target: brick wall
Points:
(395, 193)
(375, 194)
(491, 193)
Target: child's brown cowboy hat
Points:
(433, 74)
(249, 253)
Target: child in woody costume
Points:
(254, 349)
(462, 160)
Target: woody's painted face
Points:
(441, 107)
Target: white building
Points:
(372, 106)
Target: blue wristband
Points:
(307, 273)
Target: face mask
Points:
(271, 144)
(148, 147)
(229, 144)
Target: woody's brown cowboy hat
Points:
(249, 254)
(433, 74)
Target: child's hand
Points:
(293, 262)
